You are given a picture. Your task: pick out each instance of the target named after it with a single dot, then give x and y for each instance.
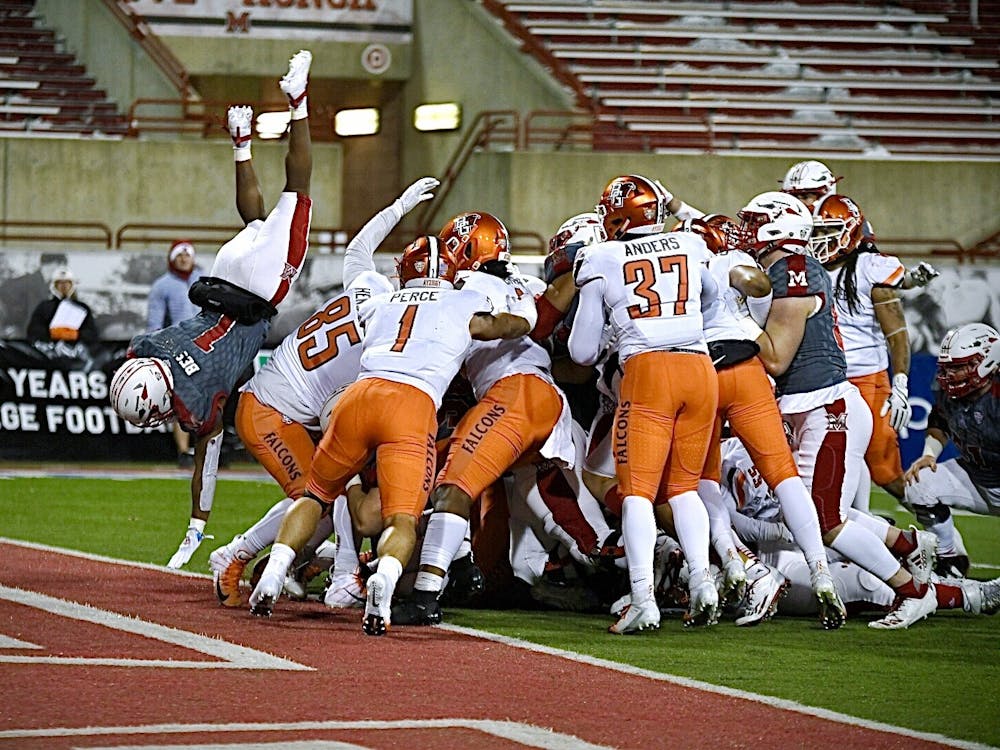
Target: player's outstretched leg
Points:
(298, 162)
(249, 198)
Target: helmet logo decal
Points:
(465, 224)
(619, 192)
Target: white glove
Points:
(922, 274)
(669, 196)
(416, 193)
(897, 406)
(191, 542)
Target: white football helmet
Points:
(809, 177)
(141, 391)
(969, 356)
(585, 228)
(773, 220)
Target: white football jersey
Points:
(744, 483)
(320, 357)
(864, 343)
(489, 361)
(652, 288)
(726, 316)
(419, 336)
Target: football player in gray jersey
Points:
(967, 412)
(187, 370)
(827, 420)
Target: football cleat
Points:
(637, 617)
(906, 612)
(762, 599)
(704, 607)
(734, 580)
(378, 613)
(465, 581)
(345, 592)
(981, 597)
(227, 569)
(240, 121)
(296, 80)
(265, 594)
(420, 608)
(832, 612)
(920, 562)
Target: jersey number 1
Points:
(405, 328)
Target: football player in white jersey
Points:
(519, 409)
(415, 342)
(280, 409)
(756, 515)
(651, 285)
(869, 316)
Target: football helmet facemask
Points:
(838, 227)
(426, 262)
(476, 238)
(578, 231)
(969, 357)
(771, 221)
(141, 391)
(633, 203)
(718, 231)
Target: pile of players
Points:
(393, 413)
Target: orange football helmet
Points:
(837, 228)
(427, 260)
(718, 231)
(475, 238)
(632, 201)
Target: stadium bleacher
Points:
(755, 76)
(43, 90)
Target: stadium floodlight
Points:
(273, 124)
(349, 122)
(442, 116)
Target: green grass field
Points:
(942, 675)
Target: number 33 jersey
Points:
(419, 336)
(320, 357)
(652, 285)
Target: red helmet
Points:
(632, 201)
(968, 359)
(838, 227)
(428, 260)
(717, 230)
(476, 238)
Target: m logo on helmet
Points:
(619, 192)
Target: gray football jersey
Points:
(974, 428)
(207, 355)
(819, 362)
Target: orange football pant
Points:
(513, 418)
(283, 447)
(398, 423)
(746, 399)
(663, 423)
(882, 456)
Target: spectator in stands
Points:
(169, 303)
(62, 317)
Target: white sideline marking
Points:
(230, 655)
(767, 700)
(299, 745)
(594, 661)
(524, 734)
(8, 643)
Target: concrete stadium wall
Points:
(134, 181)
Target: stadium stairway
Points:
(43, 90)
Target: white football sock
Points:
(639, 540)
(391, 568)
(691, 523)
(860, 545)
(347, 555)
(876, 525)
(265, 531)
(801, 519)
(444, 535)
(720, 527)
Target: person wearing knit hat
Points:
(168, 304)
(62, 317)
